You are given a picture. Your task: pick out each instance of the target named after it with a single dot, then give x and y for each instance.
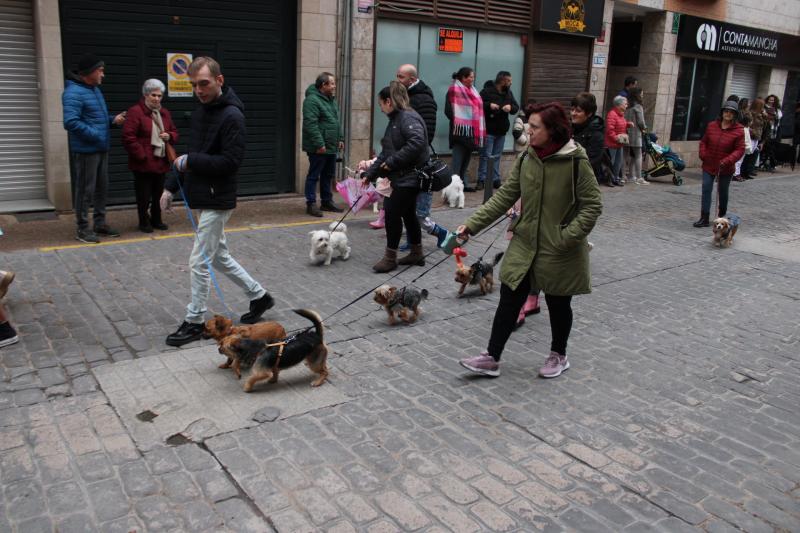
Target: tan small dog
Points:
(400, 302)
(724, 230)
(221, 328)
(479, 273)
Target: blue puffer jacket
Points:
(86, 117)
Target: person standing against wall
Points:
(498, 105)
(464, 108)
(634, 115)
(617, 136)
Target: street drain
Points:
(146, 416)
(178, 439)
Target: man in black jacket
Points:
(206, 177)
(498, 104)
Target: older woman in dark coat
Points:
(145, 135)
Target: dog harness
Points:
(734, 222)
(280, 346)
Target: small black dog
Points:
(272, 357)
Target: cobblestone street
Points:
(680, 412)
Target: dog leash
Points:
(203, 252)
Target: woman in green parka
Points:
(560, 205)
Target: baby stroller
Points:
(665, 161)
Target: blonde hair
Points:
(397, 93)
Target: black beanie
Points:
(89, 63)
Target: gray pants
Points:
(89, 187)
(210, 243)
(635, 162)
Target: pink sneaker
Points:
(554, 365)
(531, 306)
(379, 223)
(482, 364)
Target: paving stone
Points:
(137, 480)
(215, 485)
(157, 514)
(402, 510)
(199, 516)
(356, 507)
(108, 500)
(452, 518)
(493, 517)
(64, 498)
(76, 523)
(238, 516)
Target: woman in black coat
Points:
(405, 148)
(588, 130)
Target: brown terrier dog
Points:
(480, 273)
(724, 230)
(221, 328)
(400, 302)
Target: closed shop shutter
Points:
(510, 14)
(558, 67)
(744, 81)
(21, 153)
(254, 41)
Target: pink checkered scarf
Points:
(468, 118)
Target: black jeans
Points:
(149, 187)
(505, 318)
(401, 208)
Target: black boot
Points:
(257, 308)
(186, 333)
(702, 222)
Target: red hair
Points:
(555, 119)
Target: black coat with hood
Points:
(216, 150)
(423, 102)
(405, 148)
(497, 122)
(591, 136)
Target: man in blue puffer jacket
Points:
(87, 122)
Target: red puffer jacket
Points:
(615, 124)
(720, 149)
(136, 139)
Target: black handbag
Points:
(435, 175)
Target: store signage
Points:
(178, 75)
(451, 40)
(599, 60)
(575, 17)
(722, 40)
(364, 6)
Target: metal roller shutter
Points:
(744, 81)
(255, 43)
(475, 13)
(21, 152)
(558, 67)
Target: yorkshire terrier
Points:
(479, 273)
(724, 229)
(221, 329)
(400, 302)
(269, 358)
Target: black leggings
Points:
(505, 318)
(148, 187)
(401, 208)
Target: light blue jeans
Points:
(424, 200)
(210, 244)
(493, 146)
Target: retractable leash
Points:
(202, 251)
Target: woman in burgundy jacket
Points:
(147, 130)
(721, 147)
(616, 133)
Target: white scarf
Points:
(159, 147)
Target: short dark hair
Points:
(322, 79)
(555, 119)
(502, 74)
(585, 101)
(630, 80)
(463, 72)
(204, 61)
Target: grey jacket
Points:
(405, 149)
(635, 114)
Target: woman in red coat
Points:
(721, 147)
(147, 130)
(617, 135)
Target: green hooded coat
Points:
(320, 122)
(558, 212)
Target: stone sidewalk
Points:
(680, 411)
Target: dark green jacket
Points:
(557, 214)
(320, 122)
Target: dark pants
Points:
(149, 187)
(460, 161)
(322, 168)
(505, 318)
(749, 163)
(723, 186)
(89, 187)
(401, 208)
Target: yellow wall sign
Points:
(572, 16)
(178, 74)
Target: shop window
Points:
(791, 97)
(698, 97)
(487, 52)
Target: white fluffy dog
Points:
(330, 243)
(453, 194)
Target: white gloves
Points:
(166, 200)
(180, 163)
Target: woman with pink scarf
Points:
(464, 107)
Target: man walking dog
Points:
(208, 182)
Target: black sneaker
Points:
(106, 230)
(313, 210)
(186, 333)
(496, 184)
(479, 186)
(87, 236)
(145, 228)
(160, 226)
(8, 335)
(469, 189)
(257, 308)
(332, 207)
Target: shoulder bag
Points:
(435, 174)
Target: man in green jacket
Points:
(322, 137)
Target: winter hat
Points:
(89, 63)
(730, 105)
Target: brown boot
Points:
(416, 257)
(388, 263)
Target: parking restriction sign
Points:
(178, 74)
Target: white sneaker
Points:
(642, 181)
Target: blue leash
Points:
(202, 251)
